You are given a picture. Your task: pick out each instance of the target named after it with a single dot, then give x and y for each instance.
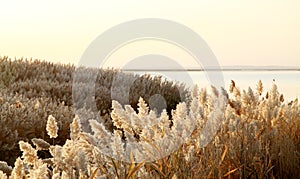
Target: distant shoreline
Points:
(212, 69)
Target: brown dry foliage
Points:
(258, 138)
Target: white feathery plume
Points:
(99, 130)
(164, 122)
(259, 87)
(75, 128)
(51, 127)
(39, 172)
(214, 121)
(29, 153)
(82, 162)
(203, 96)
(195, 92)
(56, 176)
(56, 152)
(117, 147)
(40, 144)
(3, 175)
(136, 122)
(179, 116)
(143, 108)
(5, 168)
(101, 135)
(119, 116)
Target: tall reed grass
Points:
(258, 138)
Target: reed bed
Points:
(258, 135)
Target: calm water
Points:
(288, 82)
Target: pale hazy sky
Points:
(239, 32)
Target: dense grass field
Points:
(41, 137)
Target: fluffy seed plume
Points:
(29, 153)
(5, 168)
(18, 171)
(3, 175)
(143, 108)
(259, 87)
(52, 127)
(75, 128)
(40, 144)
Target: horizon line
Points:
(210, 69)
